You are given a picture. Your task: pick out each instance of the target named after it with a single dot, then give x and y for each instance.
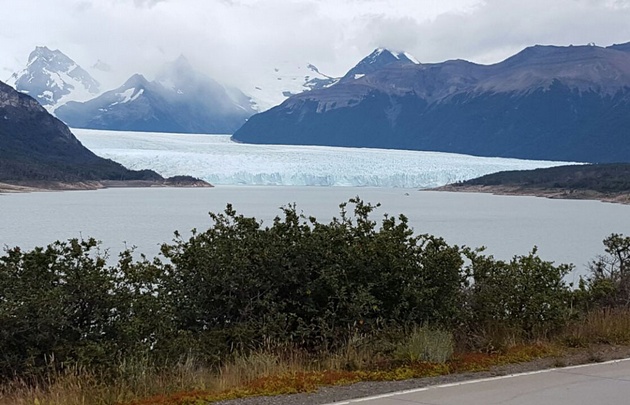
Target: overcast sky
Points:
(236, 40)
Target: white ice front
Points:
(218, 160)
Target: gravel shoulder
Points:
(329, 395)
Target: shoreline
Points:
(560, 194)
(50, 186)
(519, 191)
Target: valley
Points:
(323, 256)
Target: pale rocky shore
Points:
(568, 194)
(37, 186)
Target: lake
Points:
(566, 231)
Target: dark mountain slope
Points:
(556, 103)
(621, 47)
(35, 146)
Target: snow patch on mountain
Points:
(283, 81)
(128, 95)
(53, 79)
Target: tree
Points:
(609, 281)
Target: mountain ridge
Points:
(545, 102)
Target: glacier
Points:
(220, 161)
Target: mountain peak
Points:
(182, 60)
(40, 50)
(377, 60)
(179, 100)
(389, 54)
(179, 65)
(52, 78)
(49, 58)
(102, 66)
(136, 80)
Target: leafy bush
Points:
(307, 283)
(56, 304)
(313, 287)
(63, 305)
(526, 297)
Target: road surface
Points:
(593, 384)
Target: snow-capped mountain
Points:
(180, 99)
(569, 103)
(52, 78)
(288, 79)
(285, 80)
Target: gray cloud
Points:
(236, 40)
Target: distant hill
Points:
(609, 182)
(600, 177)
(36, 147)
(179, 100)
(545, 103)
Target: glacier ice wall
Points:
(218, 160)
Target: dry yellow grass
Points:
(285, 370)
(603, 326)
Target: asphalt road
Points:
(593, 384)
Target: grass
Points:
(604, 326)
(425, 344)
(422, 352)
(257, 374)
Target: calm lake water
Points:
(565, 231)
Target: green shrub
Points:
(310, 284)
(522, 299)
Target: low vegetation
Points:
(601, 178)
(243, 309)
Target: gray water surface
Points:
(566, 231)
